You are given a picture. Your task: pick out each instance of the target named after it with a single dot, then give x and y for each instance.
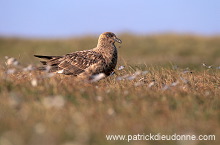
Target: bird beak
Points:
(117, 40)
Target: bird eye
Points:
(109, 35)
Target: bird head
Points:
(109, 37)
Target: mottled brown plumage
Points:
(101, 59)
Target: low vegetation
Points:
(163, 84)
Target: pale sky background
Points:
(66, 18)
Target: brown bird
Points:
(101, 59)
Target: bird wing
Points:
(76, 63)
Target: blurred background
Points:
(159, 30)
(54, 18)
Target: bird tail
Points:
(50, 63)
(47, 57)
(42, 68)
(44, 62)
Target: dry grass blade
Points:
(52, 109)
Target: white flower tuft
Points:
(97, 77)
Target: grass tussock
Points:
(43, 108)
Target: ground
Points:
(166, 84)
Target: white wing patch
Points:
(60, 71)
